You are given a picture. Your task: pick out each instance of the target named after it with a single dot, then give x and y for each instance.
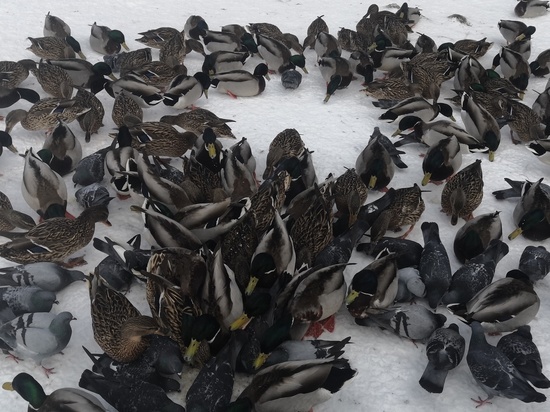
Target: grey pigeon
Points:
(212, 388)
(25, 299)
(535, 262)
(409, 285)
(408, 251)
(291, 79)
(415, 322)
(37, 335)
(90, 169)
(92, 195)
(476, 274)
(495, 373)
(340, 248)
(445, 350)
(46, 275)
(434, 267)
(524, 354)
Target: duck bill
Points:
(106, 223)
(396, 133)
(81, 55)
(267, 76)
(327, 97)
(240, 323)
(125, 46)
(251, 285)
(305, 70)
(211, 150)
(113, 77)
(7, 386)
(191, 350)
(426, 179)
(515, 233)
(521, 95)
(491, 156)
(372, 182)
(260, 360)
(206, 94)
(351, 297)
(452, 118)
(12, 149)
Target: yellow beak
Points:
(351, 297)
(515, 233)
(426, 179)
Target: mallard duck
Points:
(83, 73)
(287, 143)
(45, 114)
(54, 80)
(183, 91)
(144, 94)
(531, 8)
(326, 44)
(125, 105)
(475, 48)
(224, 61)
(525, 124)
(159, 139)
(389, 58)
(241, 83)
(463, 193)
(476, 234)
(430, 133)
(332, 66)
(353, 41)
(512, 29)
(294, 391)
(173, 50)
(155, 38)
(278, 56)
(64, 147)
(531, 214)
(118, 327)
(55, 47)
(43, 189)
(193, 25)
(10, 219)
(373, 288)
(56, 27)
(315, 27)
(208, 150)
(541, 149)
(374, 166)
(425, 44)
(13, 73)
(55, 238)
(198, 120)
(126, 62)
(415, 106)
(541, 65)
(397, 88)
(160, 74)
(480, 124)
(68, 399)
(7, 142)
(220, 41)
(513, 66)
(103, 40)
(503, 305)
(442, 160)
(406, 209)
(347, 187)
(92, 120)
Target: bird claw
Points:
(481, 402)
(15, 358)
(48, 371)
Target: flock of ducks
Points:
(242, 271)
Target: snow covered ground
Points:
(388, 367)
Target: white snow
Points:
(388, 367)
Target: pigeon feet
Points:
(481, 402)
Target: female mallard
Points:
(56, 27)
(45, 114)
(350, 193)
(374, 166)
(463, 193)
(160, 139)
(126, 62)
(397, 88)
(198, 120)
(316, 26)
(118, 327)
(92, 120)
(55, 47)
(155, 38)
(54, 80)
(242, 83)
(124, 105)
(56, 238)
(475, 48)
(13, 73)
(173, 51)
(63, 399)
(183, 91)
(278, 56)
(293, 385)
(525, 124)
(532, 213)
(287, 143)
(480, 124)
(103, 40)
(10, 219)
(43, 189)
